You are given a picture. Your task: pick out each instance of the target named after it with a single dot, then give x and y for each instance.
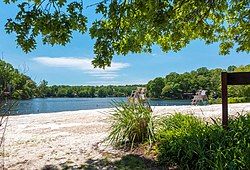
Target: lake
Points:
(45, 105)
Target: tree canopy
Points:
(172, 86)
(185, 85)
(22, 86)
(11, 80)
(134, 25)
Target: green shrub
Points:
(189, 143)
(131, 124)
(238, 99)
(230, 100)
(215, 101)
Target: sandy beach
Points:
(75, 137)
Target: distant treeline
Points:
(21, 86)
(173, 86)
(181, 86)
(85, 91)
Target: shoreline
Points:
(63, 112)
(75, 137)
(49, 105)
(170, 109)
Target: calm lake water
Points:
(45, 105)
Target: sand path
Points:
(33, 141)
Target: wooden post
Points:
(224, 100)
(240, 78)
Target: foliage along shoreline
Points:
(23, 87)
(185, 85)
(172, 86)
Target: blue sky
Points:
(70, 64)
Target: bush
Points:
(189, 143)
(215, 101)
(230, 100)
(131, 124)
(238, 99)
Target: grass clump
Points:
(230, 100)
(131, 124)
(189, 143)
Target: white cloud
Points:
(83, 64)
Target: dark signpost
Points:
(240, 78)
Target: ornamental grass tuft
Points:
(131, 124)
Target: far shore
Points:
(75, 137)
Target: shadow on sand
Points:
(128, 162)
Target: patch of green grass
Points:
(131, 124)
(230, 100)
(189, 143)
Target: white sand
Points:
(33, 141)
